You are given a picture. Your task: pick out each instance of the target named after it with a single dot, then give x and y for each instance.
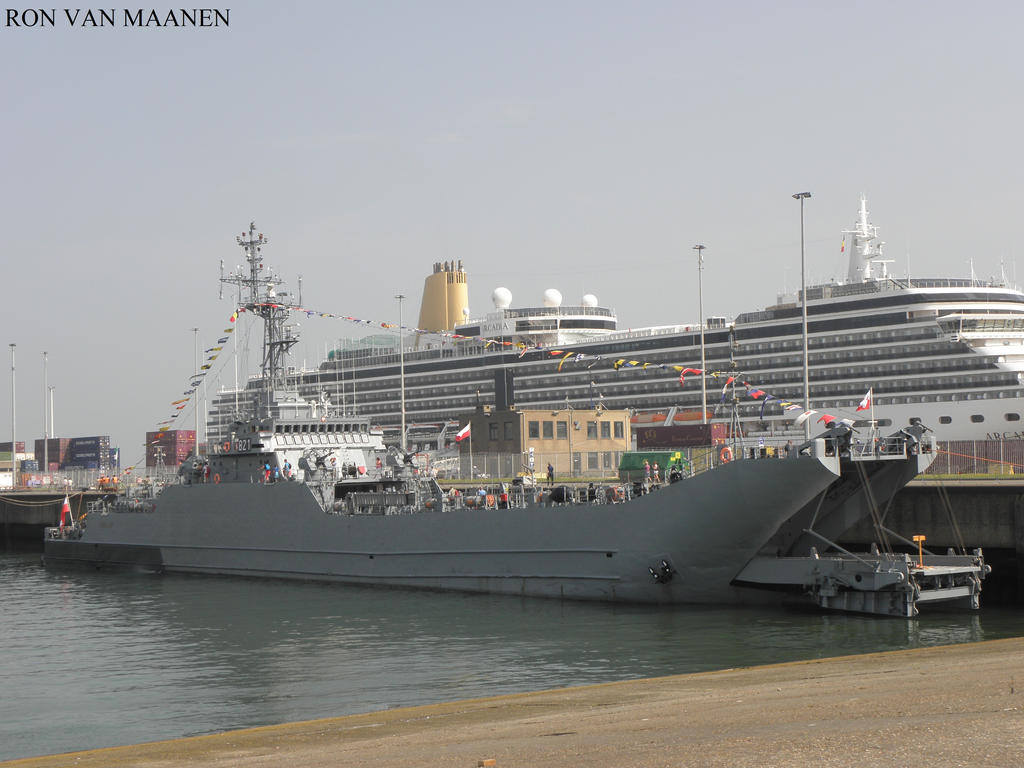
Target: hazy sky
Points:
(585, 146)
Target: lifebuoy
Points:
(725, 455)
(216, 478)
(226, 447)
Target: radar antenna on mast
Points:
(258, 288)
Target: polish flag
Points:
(866, 402)
(462, 434)
(65, 512)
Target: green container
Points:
(631, 467)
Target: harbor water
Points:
(94, 659)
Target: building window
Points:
(592, 430)
(561, 430)
(977, 418)
(606, 460)
(619, 430)
(549, 430)
(606, 430)
(592, 460)
(510, 430)
(533, 429)
(945, 419)
(492, 432)
(1012, 417)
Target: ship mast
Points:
(261, 297)
(866, 262)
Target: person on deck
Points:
(551, 474)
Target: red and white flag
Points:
(866, 402)
(462, 434)
(65, 512)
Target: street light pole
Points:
(46, 431)
(14, 430)
(401, 367)
(700, 308)
(801, 196)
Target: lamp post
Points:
(14, 430)
(401, 368)
(46, 431)
(700, 308)
(801, 196)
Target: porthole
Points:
(1012, 417)
(977, 418)
(945, 419)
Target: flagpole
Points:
(801, 196)
(874, 424)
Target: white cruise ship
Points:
(947, 351)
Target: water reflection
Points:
(122, 658)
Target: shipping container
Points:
(6, 447)
(56, 449)
(29, 465)
(94, 442)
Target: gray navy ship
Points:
(301, 490)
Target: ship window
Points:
(885, 422)
(977, 418)
(1012, 417)
(277, 428)
(945, 419)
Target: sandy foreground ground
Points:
(959, 705)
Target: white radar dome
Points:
(589, 300)
(552, 297)
(502, 298)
